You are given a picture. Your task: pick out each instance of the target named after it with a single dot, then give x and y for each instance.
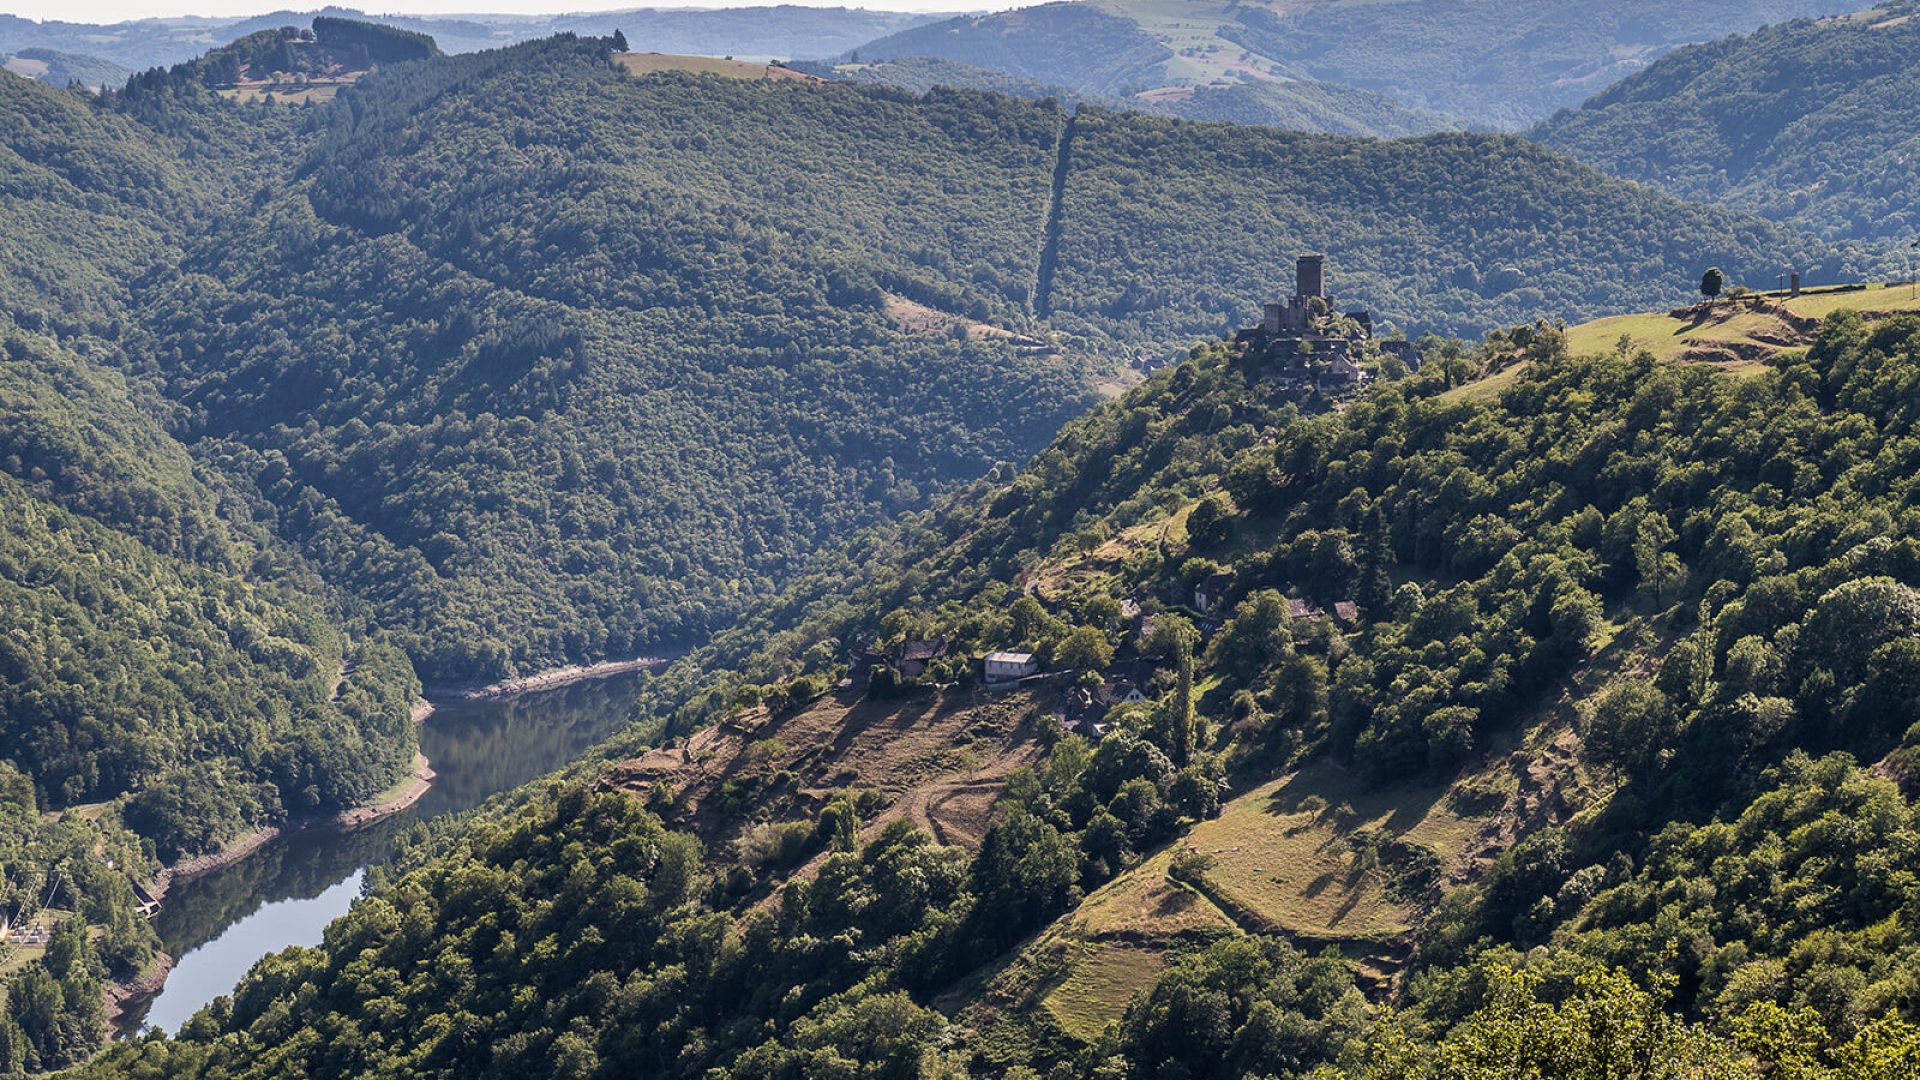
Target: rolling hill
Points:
(1744, 330)
(1474, 64)
(1809, 122)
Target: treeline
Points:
(346, 44)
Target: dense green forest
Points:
(549, 366)
(1730, 559)
(171, 676)
(1451, 233)
(168, 681)
(1753, 122)
(1474, 65)
(138, 662)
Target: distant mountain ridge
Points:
(1811, 122)
(1301, 105)
(776, 31)
(1478, 64)
(61, 68)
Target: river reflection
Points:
(218, 925)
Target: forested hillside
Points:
(497, 362)
(549, 365)
(1646, 626)
(498, 270)
(1449, 232)
(1473, 64)
(167, 683)
(1756, 122)
(91, 202)
(206, 643)
(1296, 104)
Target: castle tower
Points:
(1310, 274)
(1276, 318)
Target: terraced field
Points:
(940, 757)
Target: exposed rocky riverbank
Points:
(120, 995)
(557, 677)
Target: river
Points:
(217, 925)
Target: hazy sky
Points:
(116, 10)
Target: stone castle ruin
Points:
(1308, 340)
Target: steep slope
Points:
(531, 360)
(1810, 122)
(169, 681)
(90, 204)
(150, 650)
(171, 677)
(140, 654)
(1475, 64)
(1644, 621)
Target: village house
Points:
(1299, 610)
(1003, 667)
(909, 658)
(1085, 708)
(1402, 350)
(1212, 590)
